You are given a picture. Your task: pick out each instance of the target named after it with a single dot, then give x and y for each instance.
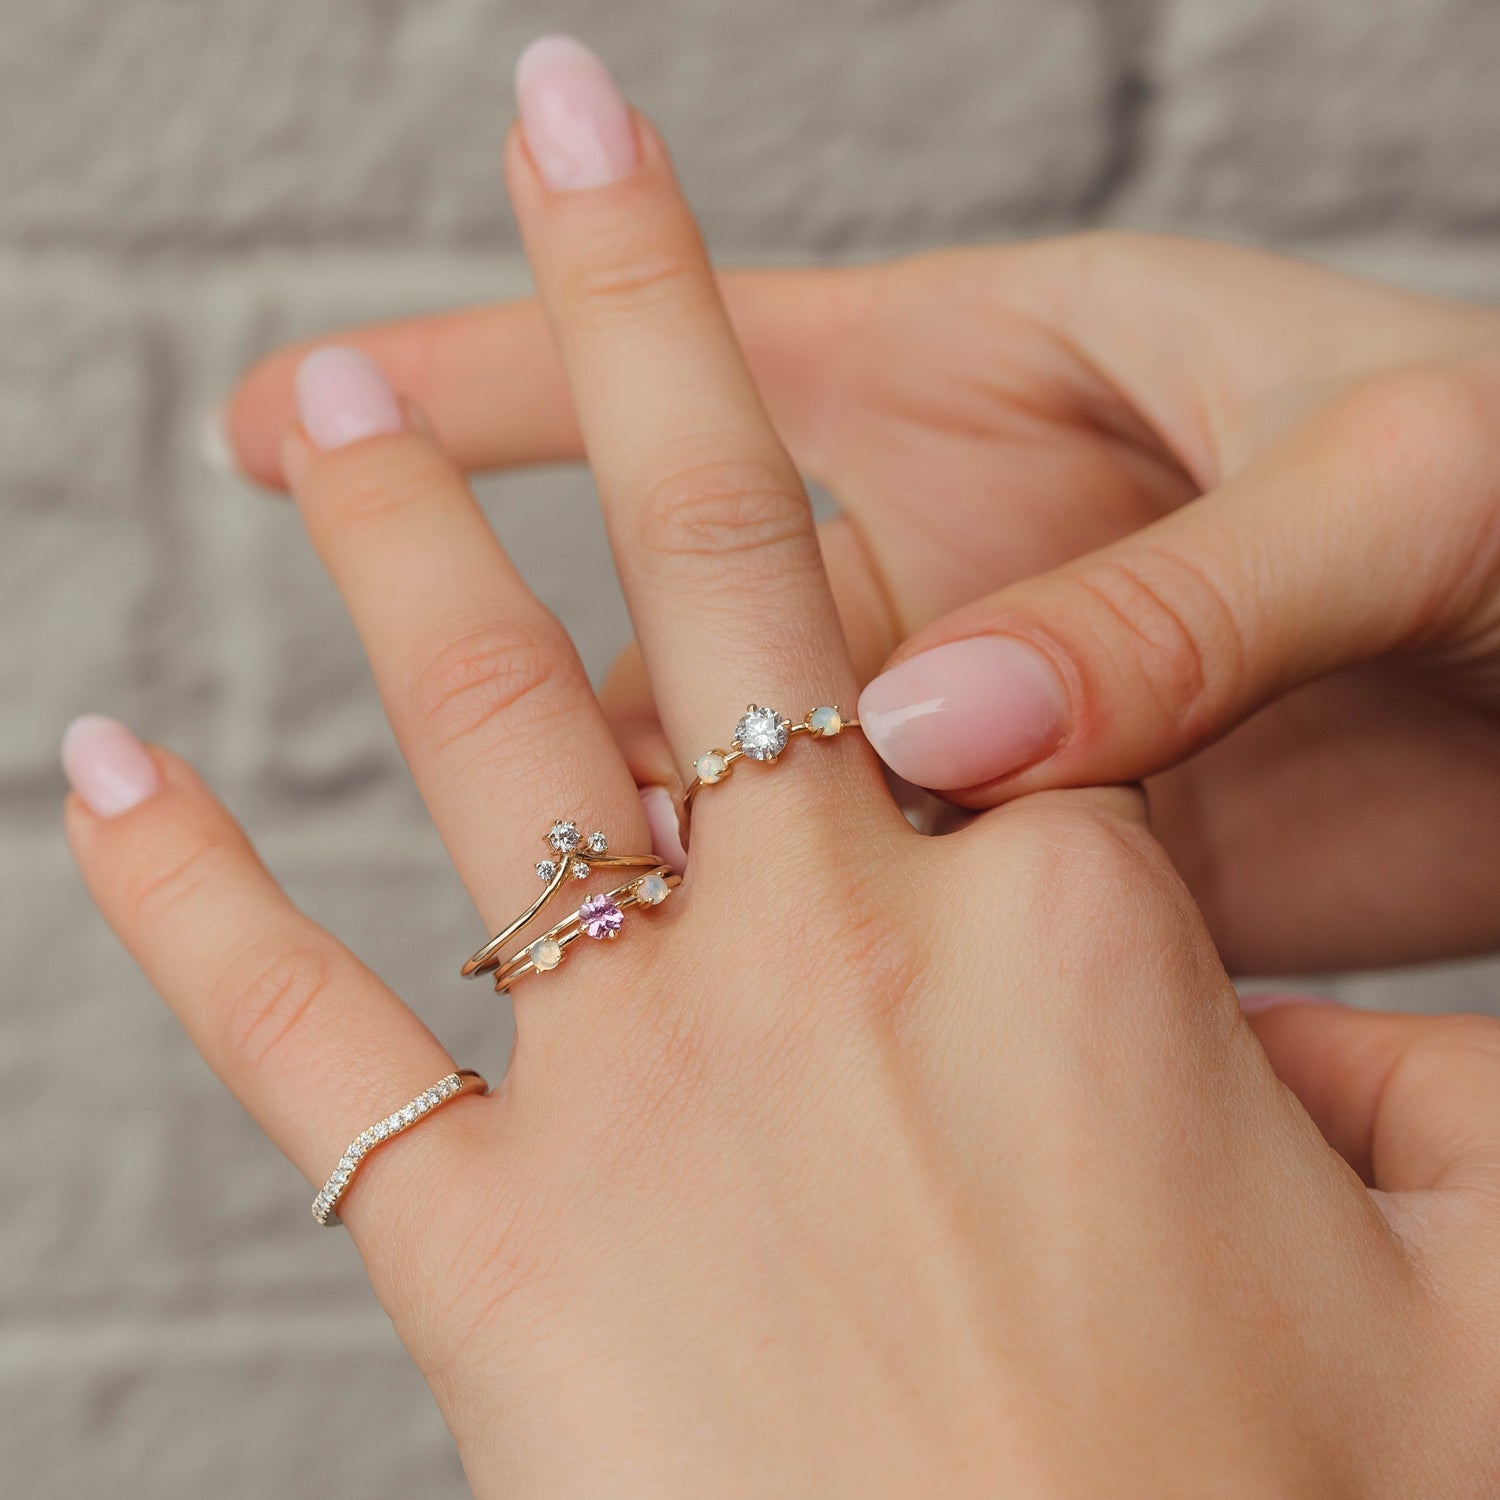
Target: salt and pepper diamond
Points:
(761, 733)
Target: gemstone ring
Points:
(600, 917)
(465, 1081)
(761, 734)
(573, 856)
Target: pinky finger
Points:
(303, 1034)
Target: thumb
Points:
(1368, 529)
(1408, 1101)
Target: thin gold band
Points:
(763, 735)
(599, 917)
(465, 1081)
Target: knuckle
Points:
(168, 879)
(492, 675)
(1190, 645)
(1403, 420)
(740, 516)
(633, 275)
(364, 488)
(257, 1013)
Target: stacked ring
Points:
(600, 917)
(762, 734)
(573, 857)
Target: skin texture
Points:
(872, 1164)
(1322, 448)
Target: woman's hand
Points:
(872, 1163)
(984, 416)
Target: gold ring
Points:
(465, 1081)
(573, 857)
(600, 917)
(761, 734)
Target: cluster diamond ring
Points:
(762, 734)
(573, 856)
(465, 1081)
(601, 917)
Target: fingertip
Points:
(107, 766)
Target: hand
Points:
(984, 416)
(872, 1163)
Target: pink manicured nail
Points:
(342, 398)
(106, 765)
(966, 713)
(577, 125)
(666, 833)
(1269, 999)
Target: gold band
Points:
(762, 734)
(599, 917)
(573, 857)
(465, 1081)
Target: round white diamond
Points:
(711, 768)
(409, 1113)
(563, 836)
(761, 734)
(580, 869)
(597, 843)
(546, 868)
(653, 890)
(545, 953)
(433, 1097)
(825, 721)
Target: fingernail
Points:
(577, 125)
(343, 397)
(1270, 999)
(106, 765)
(966, 713)
(214, 448)
(666, 831)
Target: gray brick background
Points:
(185, 182)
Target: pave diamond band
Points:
(600, 917)
(574, 856)
(465, 1081)
(761, 734)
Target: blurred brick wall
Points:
(183, 182)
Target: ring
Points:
(573, 857)
(600, 917)
(762, 734)
(465, 1081)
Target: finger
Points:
(1124, 662)
(490, 381)
(305, 1037)
(1408, 1101)
(484, 690)
(711, 528)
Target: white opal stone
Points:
(653, 890)
(546, 953)
(711, 767)
(825, 721)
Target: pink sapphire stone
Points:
(601, 917)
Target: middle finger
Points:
(711, 528)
